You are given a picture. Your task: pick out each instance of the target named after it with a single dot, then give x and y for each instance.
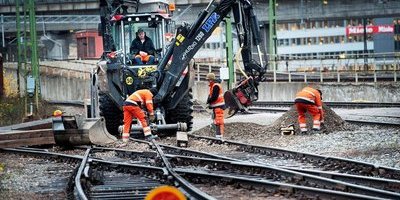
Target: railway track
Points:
(268, 155)
(102, 179)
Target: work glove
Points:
(152, 118)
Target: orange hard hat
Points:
(57, 113)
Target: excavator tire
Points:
(182, 113)
(111, 113)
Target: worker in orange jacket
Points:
(309, 100)
(217, 103)
(133, 108)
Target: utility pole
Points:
(25, 57)
(34, 51)
(229, 51)
(272, 35)
(1, 58)
(1, 76)
(3, 41)
(19, 58)
(365, 44)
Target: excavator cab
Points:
(156, 27)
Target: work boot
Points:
(303, 133)
(218, 132)
(151, 137)
(316, 130)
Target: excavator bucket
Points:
(68, 130)
(232, 104)
(98, 133)
(238, 98)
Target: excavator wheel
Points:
(182, 113)
(111, 113)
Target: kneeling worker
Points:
(217, 103)
(309, 100)
(132, 108)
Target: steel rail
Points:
(193, 191)
(261, 170)
(152, 154)
(78, 186)
(379, 183)
(301, 192)
(326, 161)
(270, 172)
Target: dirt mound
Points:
(240, 130)
(333, 122)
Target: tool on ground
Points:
(287, 130)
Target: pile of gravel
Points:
(238, 130)
(332, 121)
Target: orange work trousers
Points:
(218, 118)
(131, 111)
(302, 108)
(144, 58)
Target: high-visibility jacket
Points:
(216, 99)
(142, 97)
(309, 95)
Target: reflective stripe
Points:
(216, 105)
(125, 135)
(306, 99)
(320, 107)
(138, 96)
(149, 101)
(303, 129)
(303, 125)
(130, 101)
(317, 122)
(310, 92)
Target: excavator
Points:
(173, 72)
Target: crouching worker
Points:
(133, 109)
(309, 100)
(216, 102)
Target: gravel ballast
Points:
(378, 145)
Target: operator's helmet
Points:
(210, 76)
(57, 113)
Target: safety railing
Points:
(342, 68)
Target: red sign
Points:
(357, 30)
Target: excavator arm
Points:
(189, 39)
